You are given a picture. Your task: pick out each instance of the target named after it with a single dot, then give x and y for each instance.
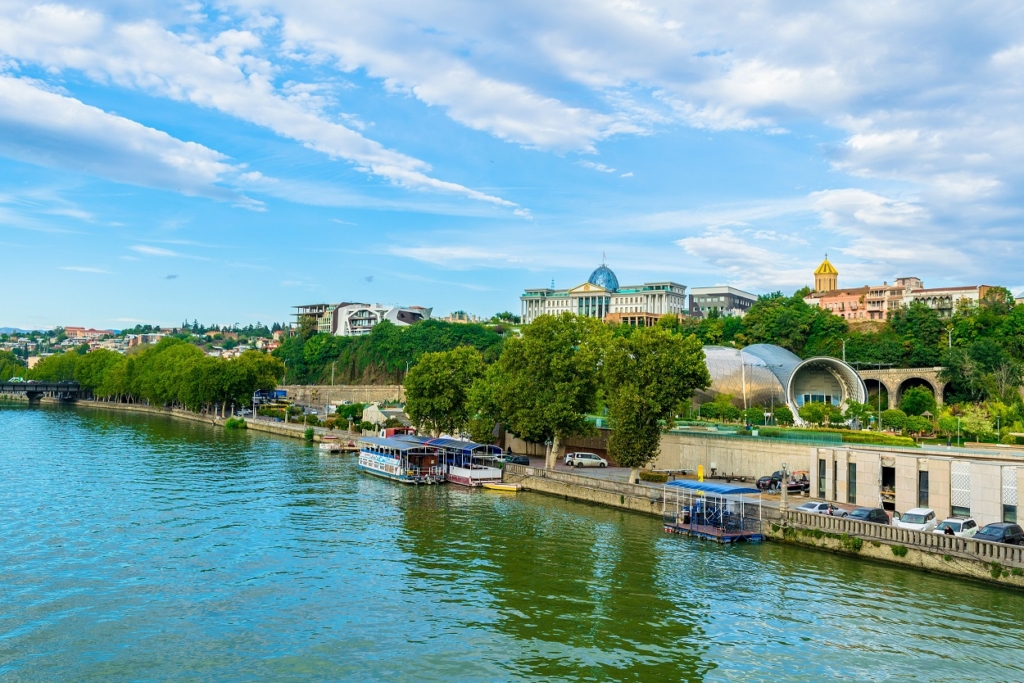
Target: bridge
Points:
(894, 381)
(65, 391)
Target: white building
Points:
(721, 299)
(601, 296)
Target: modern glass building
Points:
(763, 374)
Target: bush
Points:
(309, 433)
(899, 550)
(894, 418)
(997, 570)
(877, 439)
(653, 476)
(235, 423)
(1017, 571)
(851, 543)
(366, 426)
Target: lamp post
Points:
(784, 503)
(958, 431)
(332, 372)
(844, 349)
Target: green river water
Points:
(144, 549)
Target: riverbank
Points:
(989, 562)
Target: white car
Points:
(569, 456)
(822, 509)
(586, 460)
(917, 519)
(965, 527)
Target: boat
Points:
(502, 486)
(465, 463)
(406, 462)
(330, 444)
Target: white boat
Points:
(466, 463)
(402, 461)
(330, 444)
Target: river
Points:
(142, 548)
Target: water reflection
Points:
(140, 547)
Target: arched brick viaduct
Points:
(896, 380)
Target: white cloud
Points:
(220, 74)
(86, 269)
(50, 129)
(595, 166)
(154, 251)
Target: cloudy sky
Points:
(224, 161)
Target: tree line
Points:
(546, 385)
(383, 355)
(170, 373)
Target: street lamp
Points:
(958, 431)
(844, 349)
(784, 503)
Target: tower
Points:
(826, 277)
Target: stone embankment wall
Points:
(635, 497)
(318, 395)
(747, 457)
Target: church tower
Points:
(826, 277)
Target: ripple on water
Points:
(138, 548)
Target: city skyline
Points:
(226, 162)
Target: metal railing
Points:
(939, 544)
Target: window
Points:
(851, 485)
(1010, 513)
(821, 478)
(922, 489)
(960, 511)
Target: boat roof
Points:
(397, 444)
(447, 443)
(712, 487)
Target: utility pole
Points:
(844, 350)
(949, 333)
(332, 373)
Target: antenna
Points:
(552, 283)
(604, 259)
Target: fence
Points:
(939, 544)
(585, 481)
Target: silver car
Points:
(587, 460)
(822, 509)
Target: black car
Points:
(774, 482)
(517, 459)
(1001, 532)
(876, 515)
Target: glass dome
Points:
(604, 277)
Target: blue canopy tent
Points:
(727, 513)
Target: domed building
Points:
(765, 375)
(601, 296)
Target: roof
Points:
(712, 487)
(397, 444)
(446, 443)
(826, 268)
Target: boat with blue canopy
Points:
(466, 463)
(408, 462)
(722, 512)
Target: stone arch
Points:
(915, 382)
(873, 385)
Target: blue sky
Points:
(225, 161)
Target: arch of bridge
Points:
(894, 378)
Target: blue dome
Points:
(604, 277)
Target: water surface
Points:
(141, 548)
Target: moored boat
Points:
(406, 462)
(465, 463)
(330, 444)
(502, 486)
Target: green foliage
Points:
(820, 413)
(437, 389)
(894, 419)
(235, 423)
(366, 426)
(649, 375)
(754, 415)
(1017, 571)
(308, 434)
(918, 425)
(351, 411)
(658, 477)
(975, 423)
(851, 543)
(792, 324)
(10, 366)
(783, 415)
(899, 550)
(545, 382)
(381, 356)
(917, 401)
(877, 439)
(996, 570)
(721, 408)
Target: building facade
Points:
(601, 296)
(721, 299)
(356, 319)
(876, 302)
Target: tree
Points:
(858, 411)
(754, 415)
(351, 411)
(437, 389)
(783, 415)
(545, 383)
(10, 366)
(918, 424)
(976, 423)
(917, 401)
(819, 413)
(649, 375)
(894, 419)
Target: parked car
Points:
(1001, 532)
(917, 519)
(587, 460)
(965, 527)
(876, 515)
(569, 457)
(515, 459)
(795, 485)
(822, 509)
